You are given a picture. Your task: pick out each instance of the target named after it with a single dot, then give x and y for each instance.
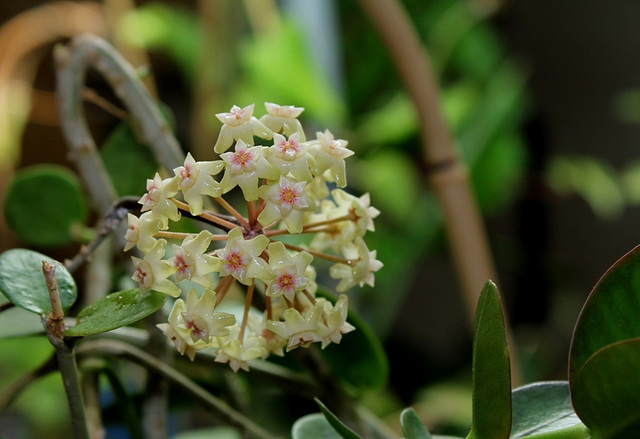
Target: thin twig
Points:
(111, 347)
(54, 325)
(114, 215)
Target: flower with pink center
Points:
(241, 259)
(289, 271)
(300, 329)
(360, 271)
(285, 200)
(239, 123)
(238, 353)
(152, 271)
(197, 326)
(335, 322)
(290, 156)
(283, 118)
(245, 167)
(234, 262)
(191, 262)
(141, 231)
(157, 198)
(183, 262)
(194, 325)
(328, 156)
(195, 180)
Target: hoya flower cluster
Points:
(286, 189)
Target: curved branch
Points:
(72, 63)
(111, 347)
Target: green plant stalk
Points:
(54, 324)
(111, 347)
(446, 173)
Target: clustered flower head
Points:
(286, 186)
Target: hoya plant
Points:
(225, 262)
(233, 243)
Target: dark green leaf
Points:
(344, 431)
(313, 426)
(128, 161)
(491, 372)
(22, 281)
(412, 426)
(610, 313)
(541, 408)
(360, 360)
(606, 391)
(114, 311)
(43, 204)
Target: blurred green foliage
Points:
(484, 97)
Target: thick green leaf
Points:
(542, 408)
(606, 391)
(115, 311)
(22, 281)
(43, 204)
(344, 431)
(610, 313)
(128, 161)
(491, 372)
(412, 426)
(360, 360)
(313, 426)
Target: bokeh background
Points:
(543, 98)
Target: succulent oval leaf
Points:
(43, 205)
(541, 408)
(22, 281)
(610, 313)
(115, 311)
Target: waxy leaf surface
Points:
(491, 370)
(542, 408)
(606, 391)
(412, 426)
(313, 426)
(115, 311)
(43, 204)
(610, 314)
(22, 281)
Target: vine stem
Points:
(86, 52)
(446, 173)
(72, 63)
(54, 324)
(112, 347)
